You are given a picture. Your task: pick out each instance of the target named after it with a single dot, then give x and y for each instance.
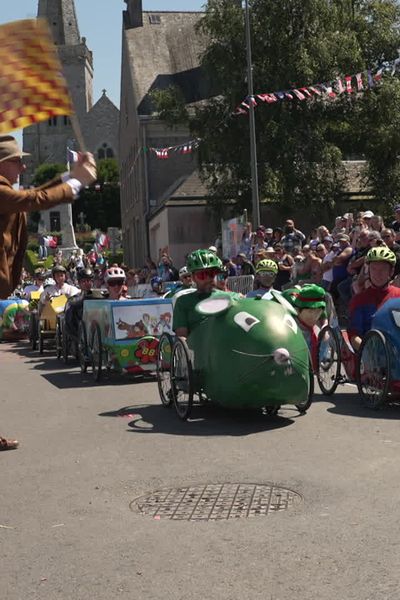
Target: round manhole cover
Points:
(216, 501)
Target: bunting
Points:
(183, 149)
(349, 84)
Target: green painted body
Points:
(237, 368)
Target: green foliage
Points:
(301, 145)
(47, 172)
(32, 261)
(101, 206)
(170, 104)
(107, 171)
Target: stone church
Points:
(47, 142)
(163, 202)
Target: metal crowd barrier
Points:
(242, 284)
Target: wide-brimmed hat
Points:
(9, 148)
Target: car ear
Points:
(282, 300)
(214, 305)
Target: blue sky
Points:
(100, 22)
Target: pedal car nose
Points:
(281, 356)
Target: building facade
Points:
(163, 202)
(47, 142)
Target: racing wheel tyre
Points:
(96, 348)
(304, 406)
(82, 348)
(163, 368)
(59, 340)
(182, 379)
(373, 370)
(33, 332)
(328, 368)
(41, 325)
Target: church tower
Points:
(48, 141)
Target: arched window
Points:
(105, 152)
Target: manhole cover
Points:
(216, 501)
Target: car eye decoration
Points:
(245, 320)
(396, 317)
(290, 322)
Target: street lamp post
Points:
(252, 121)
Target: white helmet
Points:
(183, 271)
(114, 273)
(49, 281)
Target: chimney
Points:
(135, 13)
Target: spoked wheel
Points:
(82, 348)
(33, 332)
(373, 370)
(41, 325)
(329, 360)
(66, 346)
(182, 379)
(304, 406)
(164, 354)
(59, 340)
(97, 353)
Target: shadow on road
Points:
(208, 420)
(65, 380)
(349, 404)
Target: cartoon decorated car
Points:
(247, 353)
(122, 335)
(14, 319)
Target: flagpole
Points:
(252, 121)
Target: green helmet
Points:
(310, 295)
(203, 259)
(267, 265)
(381, 254)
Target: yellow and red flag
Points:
(32, 87)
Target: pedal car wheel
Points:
(41, 325)
(97, 353)
(59, 340)
(373, 370)
(82, 348)
(328, 360)
(33, 332)
(304, 406)
(163, 364)
(65, 347)
(182, 379)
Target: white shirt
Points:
(53, 290)
(328, 275)
(31, 288)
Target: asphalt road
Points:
(67, 530)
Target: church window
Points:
(105, 152)
(50, 122)
(54, 121)
(66, 121)
(155, 19)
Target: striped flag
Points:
(32, 87)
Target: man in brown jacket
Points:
(14, 205)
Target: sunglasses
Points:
(206, 274)
(116, 282)
(186, 276)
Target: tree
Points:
(101, 203)
(301, 145)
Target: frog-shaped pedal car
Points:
(248, 353)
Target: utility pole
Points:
(252, 122)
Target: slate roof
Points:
(166, 54)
